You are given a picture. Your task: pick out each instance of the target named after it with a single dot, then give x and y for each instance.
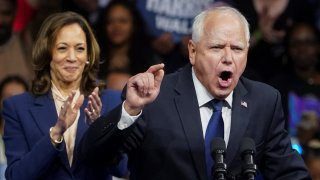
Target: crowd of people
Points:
(72, 59)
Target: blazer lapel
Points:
(45, 115)
(82, 122)
(44, 112)
(188, 109)
(239, 120)
(81, 129)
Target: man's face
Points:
(7, 13)
(220, 56)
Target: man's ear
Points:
(192, 51)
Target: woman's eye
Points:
(62, 48)
(80, 49)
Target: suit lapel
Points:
(82, 123)
(81, 129)
(188, 109)
(44, 112)
(239, 120)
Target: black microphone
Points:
(218, 151)
(248, 151)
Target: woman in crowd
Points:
(125, 45)
(43, 127)
(11, 85)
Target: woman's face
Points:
(119, 25)
(303, 47)
(69, 55)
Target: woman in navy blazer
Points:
(43, 127)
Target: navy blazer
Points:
(167, 143)
(30, 154)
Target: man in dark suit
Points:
(163, 129)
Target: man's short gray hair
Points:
(198, 23)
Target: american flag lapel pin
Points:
(244, 104)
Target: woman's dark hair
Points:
(42, 52)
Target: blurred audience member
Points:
(12, 85)
(117, 79)
(124, 41)
(313, 165)
(13, 55)
(269, 20)
(43, 10)
(312, 158)
(25, 13)
(90, 9)
(307, 127)
(9, 86)
(300, 83)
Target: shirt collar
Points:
(57, 95)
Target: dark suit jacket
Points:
(29, 151)
(167, 142)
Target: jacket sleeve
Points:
(104, 143)
(101, 143)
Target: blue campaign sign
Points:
(174, 16)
